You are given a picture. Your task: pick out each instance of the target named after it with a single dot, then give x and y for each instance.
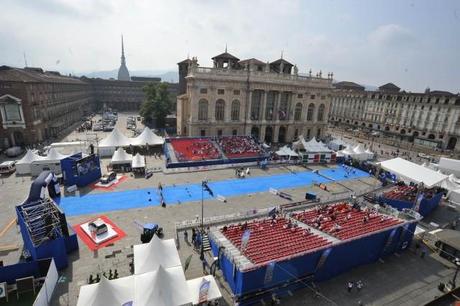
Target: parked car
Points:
(13, 151)
(98, 227)
(7, 167)
(107, 178)
(98, 127)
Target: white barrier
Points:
(46, 292)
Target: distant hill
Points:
(166, 76)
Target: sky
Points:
(414, 44)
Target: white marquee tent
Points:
(107, 292)
(149, 256)
(138, 161)
(449, 166)
(411, 172)
(23, 165)
(162, 287)
(286, 151)
(337, 144)
(311, 146)
(121, 157)
(52, 161)
(116, 139)
(147, 137)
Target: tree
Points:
(157, 104)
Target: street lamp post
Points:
(202, 223)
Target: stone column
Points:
(262, 133)
(263, 106)
(276, 130)
(276, 106)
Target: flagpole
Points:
(202, 228)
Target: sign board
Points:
(2, 290)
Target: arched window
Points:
(235, 110)
(203, 109)
(298, 112)
(310, 111)
(321, 112)
(220, 110)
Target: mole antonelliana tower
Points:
(123, 73)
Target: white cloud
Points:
(390, 36)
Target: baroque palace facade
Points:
(269, 101)
(428, 119)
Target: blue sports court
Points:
(179, 194)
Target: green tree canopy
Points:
(157, 104)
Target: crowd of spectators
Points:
(195, 149)
(239, 146)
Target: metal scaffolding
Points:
(43, 221)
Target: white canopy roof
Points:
(121, 157)
(147, 137)
(359, 149)
(347, 151)
(449, 165)
(311, 146)
(450, 183)
(28, 158)
(162, 287)
(194, 288)
(107, 292)
(408, 171)
(286, 151)
(138, 161)
(149, 256)
(115, 139)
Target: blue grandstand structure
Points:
(43, 224)
(267, 257)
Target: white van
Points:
(7, 167)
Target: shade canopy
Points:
(121, 157)
(286, 151)
(107, 292)
(115, 139)
(23, 165)
(449, 165)
(149, 256)
(313, 145)
(411, 172)
(162, 287)
(138, 161)
(147, 137)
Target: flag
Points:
(245, 239)
(204, 289)
(272, 212)
(269, 272)
(187, 262)
(418, 202)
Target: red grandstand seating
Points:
(271, 241)
(404, 193)
(194, 149)
(345, 222)
(239, 146)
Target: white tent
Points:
(286, 151)
(347, 152)
(313, 145)
(138, 161)
(411, 172)
(337, 144)
(23, 165)
(149, 256)
(194, 289)
(454, 196)
(54, 156)
(121, 157)
(359, 149)
(449, 165)
(107, 292)
(147, 137)
(115, 139)
(162, 287)
(370, 154)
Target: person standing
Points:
(350, 286)
(359, 285)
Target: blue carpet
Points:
(108, 201)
